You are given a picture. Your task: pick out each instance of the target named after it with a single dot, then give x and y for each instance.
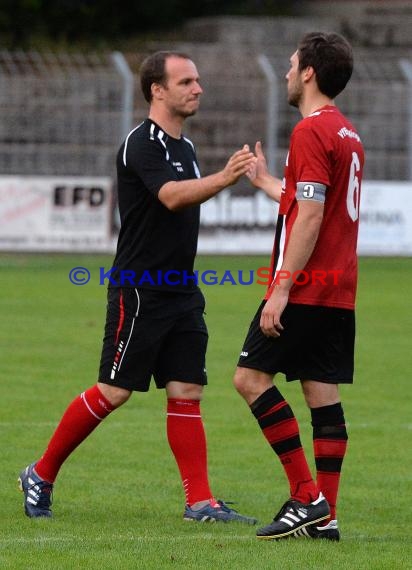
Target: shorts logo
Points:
(243, 353)
(117, 359)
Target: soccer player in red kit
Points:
(305, 327)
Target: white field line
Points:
(77, 540)
(119, 424)
(44, 540)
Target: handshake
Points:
(254, 166)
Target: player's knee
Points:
(183, 390)
(116, 396)
(241, 381)
(251, 383)
(318, 394)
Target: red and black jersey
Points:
(324, 148)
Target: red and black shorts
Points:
(317, 343)
(151, 333)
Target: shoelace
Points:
(283, 510)
(224, 506)
(45, 494)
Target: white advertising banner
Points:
(39, 213)
(246, 224)
(42, 213)
(238, 224)
(385, 218)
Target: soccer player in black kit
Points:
(154, 324)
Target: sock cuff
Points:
(328, 415)
(97, 404)
(183, 407)
(265, 401)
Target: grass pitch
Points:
(118, 499)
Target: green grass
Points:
(118, 499)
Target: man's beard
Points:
(185, 113)
(295, 97)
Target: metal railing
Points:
(67, 113)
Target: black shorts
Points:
(317, 343)
(151, 333)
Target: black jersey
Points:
(156, 247)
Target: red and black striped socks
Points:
(329, 444)
(280, 428)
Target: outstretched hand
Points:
(238, 164)
(260, 176)
(258, 171)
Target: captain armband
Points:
(311, 191)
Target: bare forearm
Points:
(177, 195)
(272, 187)
(180, 194)
(302, 241)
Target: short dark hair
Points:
(153, 70)
(331, 57)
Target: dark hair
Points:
(331, 57)
(152, 70)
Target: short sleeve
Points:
(310, 156)
(147, 160)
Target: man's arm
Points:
(180, 194)
(260, 176)
(302, 241)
